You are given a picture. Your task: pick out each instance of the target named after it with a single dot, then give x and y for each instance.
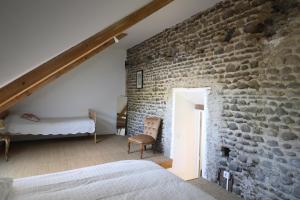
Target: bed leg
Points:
(95, 137)
(142, 150)
(128, 147)
(7, 144)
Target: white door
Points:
(186, 139)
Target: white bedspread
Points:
(114, 181)
(49, 126)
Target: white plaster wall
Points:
(34, 31)
(96, 84)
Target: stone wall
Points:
(248, 53)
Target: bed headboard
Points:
(92, 115)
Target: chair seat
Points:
(142, 139)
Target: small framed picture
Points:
(139, 79)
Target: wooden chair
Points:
(151, 126)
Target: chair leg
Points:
(142, 150)
(128, 147)
(145, 147)
(7, 144)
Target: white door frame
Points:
(201, 141)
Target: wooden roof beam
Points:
(13, 92)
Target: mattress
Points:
(49, 126)
(121, 180)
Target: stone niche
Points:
(248, 53)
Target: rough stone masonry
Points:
(248, 53)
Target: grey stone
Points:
(283, 127)
(288, 120)
(268, 111)
(277, 152)
(283, 169)
(238, 134)
(255, 161)
(291, 60)
(288, 105)
(254, 64)
(250, 150)
(286, 180)
(258, 139)
(232, 126)
(266, 164)
(294, 85)
(228, 13)
(286, 136)
(274, 127)
(247, 137)
(242, 158)
(245, 128)
(233, 154)
(295, 163)
(254, 84)
(280, 111)
(242, 85)
(281, 160)
(234, 166)
(234, 107)
(253, 109)
(242, 102)
(230, 68)
(239, 146)
(219, 50)
(238, 115)
(296, 191)
(257, 130)
(259, 175)
(287, 146)
(223, 163)
(272, 134)
(292, 154)
(274, 119)
(254, 27)
(272, 143)
(246, 143)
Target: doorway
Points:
(188, 143)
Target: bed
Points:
(129, 179)
(16, 125)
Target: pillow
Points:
(31, 117)
(5, 187)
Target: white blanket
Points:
(49, 126)
(114, 181)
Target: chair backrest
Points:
(151, 126)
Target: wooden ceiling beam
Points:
(13, 92)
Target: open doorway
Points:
(121, 123)
(188, 143)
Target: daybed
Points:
(16, 125)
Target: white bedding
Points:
(49, 126)
(114, 181)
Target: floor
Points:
(47, 156)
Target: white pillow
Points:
(5, 187)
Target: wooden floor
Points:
(48, 156)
